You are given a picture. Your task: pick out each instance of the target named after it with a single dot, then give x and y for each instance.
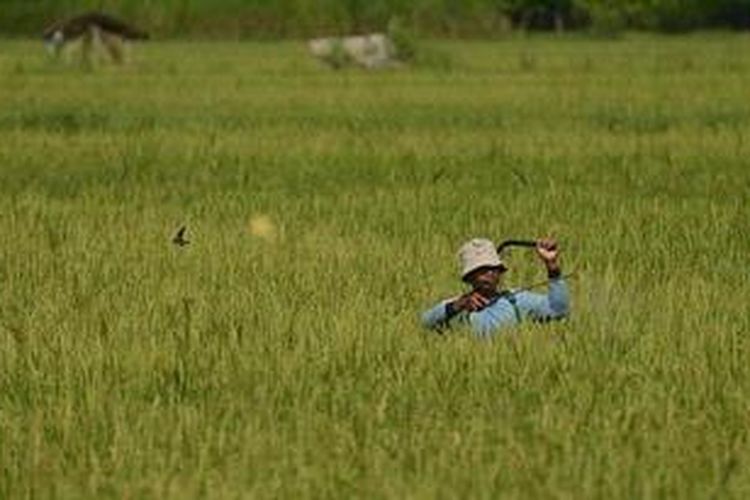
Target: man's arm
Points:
(556, 304)
(438, 316)
(441, 315)
(544, 307)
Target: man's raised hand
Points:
(548, 251)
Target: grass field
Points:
(279, 355)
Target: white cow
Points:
(371, 51)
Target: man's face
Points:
(486, 279)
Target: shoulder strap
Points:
(511, 298)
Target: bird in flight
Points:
(179, 237)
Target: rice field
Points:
(279, 353)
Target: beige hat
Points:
(476, 253)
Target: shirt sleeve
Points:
(440, 316)
(555, 304)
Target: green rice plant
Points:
(279, 353)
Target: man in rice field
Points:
(486, 308)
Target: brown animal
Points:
(92, 31)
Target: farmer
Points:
(487, 308)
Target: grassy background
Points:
(290, 363)
(280, 19)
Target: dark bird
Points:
(179, 238)
(93, 29)
(438, 175)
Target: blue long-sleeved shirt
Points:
(508, 309)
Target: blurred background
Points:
(441, 18)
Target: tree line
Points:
(442, 18)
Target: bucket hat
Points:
(477, 253)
